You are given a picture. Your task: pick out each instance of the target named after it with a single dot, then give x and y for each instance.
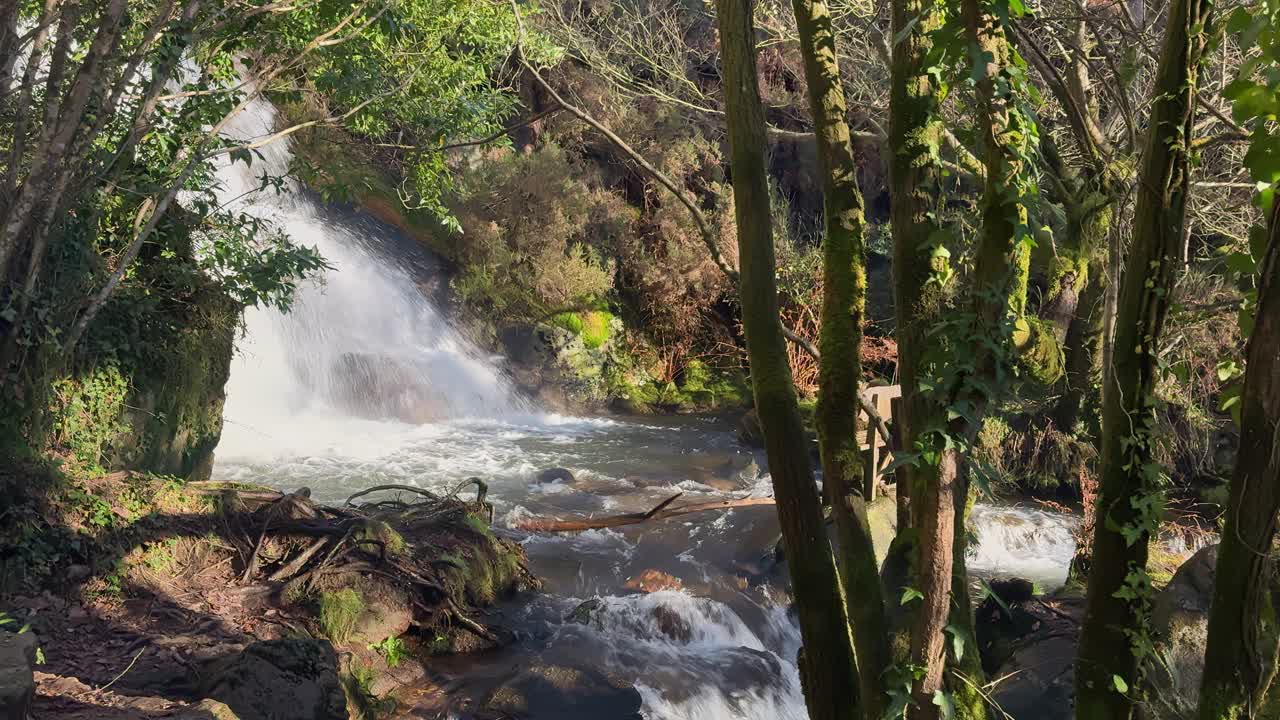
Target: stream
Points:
(366, 383)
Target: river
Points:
(366, 383)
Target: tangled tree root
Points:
(437, 549)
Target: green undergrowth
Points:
(58, 516)
(337, 611)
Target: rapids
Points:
(365, 382)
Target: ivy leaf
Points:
(1257, 243)
(1241, 263)
(957, 641)
(1121, 686)
(946, 708)
(1263, 158)
(909, 594)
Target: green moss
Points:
(1039, 351)
(570, 321)
(377, 531)
(338, 612)
(596, 328)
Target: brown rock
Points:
(653, 581)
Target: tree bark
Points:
(840, 369)
(1240, 657)
(827, 667)
(1113, 634)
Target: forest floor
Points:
(139, 589)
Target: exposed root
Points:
(432, 546)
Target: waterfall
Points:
(1012, 541)
(363, 341)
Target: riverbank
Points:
(149, 597)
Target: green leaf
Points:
(909, 594)
(1121, 686)
(1242, 263)
(1257, 243)
(957, 641)
(946, 708)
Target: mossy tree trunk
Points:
(843, 302)
(915, 186)
(1240, 656)
(827, 667)
(1113, 634)
(998, 296)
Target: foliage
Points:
(536, 229)
(338, 611)
(391, 649)
(88, 414)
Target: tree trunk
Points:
(1113, 636)
(1082, 348)
(1240, 658)
(998, 296)
(914, 180)
(843, 302)
(827, 667)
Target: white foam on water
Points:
(1022, 542)
(694, 658)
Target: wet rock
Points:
(750, 432)
(17, 678)
(380, 387)
(584, 612)
(294, 679)
(652, 581)
(671, 624)
(208, 710)
(558, 474)
(408, 674)
(1006, 620)
(563, 693)
(1032, 643)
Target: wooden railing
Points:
(885, 400)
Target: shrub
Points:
(538, 234)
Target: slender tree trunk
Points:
(998, 296)
(1082, 348)
(1113, 635)
(844, 299)
(915, 183)
(827, 667)
(1240, 658)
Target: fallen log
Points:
(659, 512)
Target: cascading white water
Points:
(362, 341)
(1022, 542)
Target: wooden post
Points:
(901, 477)
(870, 462)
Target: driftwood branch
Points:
(659, 512)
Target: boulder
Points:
(17, 677)
(558, 474)
(294, 679)
(1031, 643)
(1180, 625)
(564, 693)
